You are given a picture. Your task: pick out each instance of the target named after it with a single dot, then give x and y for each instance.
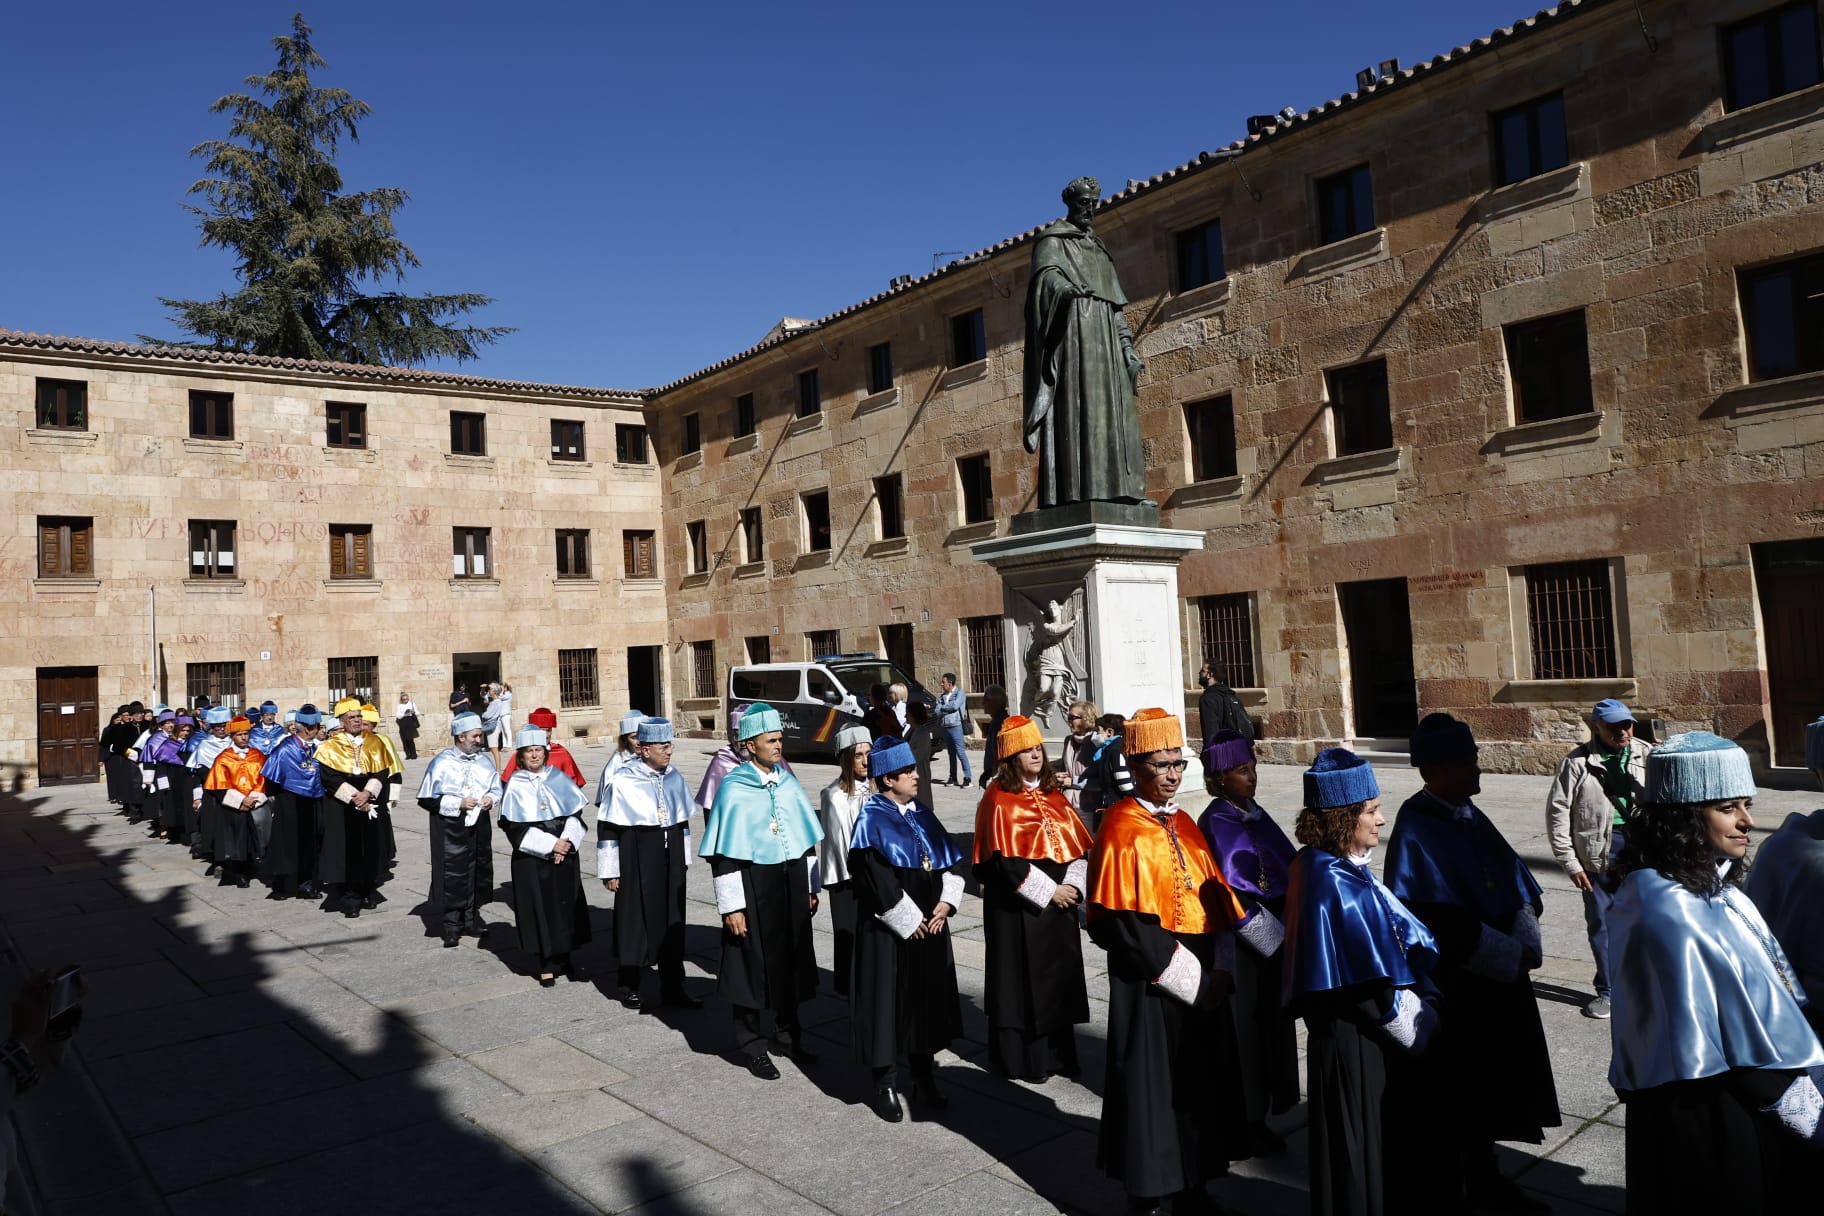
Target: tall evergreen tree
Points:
(304, 249)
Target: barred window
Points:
(702, 669)
(823, 641)
(987, 664)
(577, 686)
(355, 676)
(1570, 616)
(1225, 629)
(222, 683)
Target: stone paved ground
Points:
(241, 1055)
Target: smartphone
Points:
(63, 991)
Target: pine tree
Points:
(304, 249)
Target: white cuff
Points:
(1526, 932)
(1496, 957)
(232, 799)
(1800, 1107)
(163, 782)
(573, 831)
(373, 787)
(450, 805)
(903, 918)
(345, 792)
(684, 838)
(1036, 889)
(1263, 933)
(1076, 874)
(607, 859)
(537, 842)
(813, 875)
(1182, 977)
(952, 891)
(731, 896)
(1411, 1022)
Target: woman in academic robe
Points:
(1711, 1051)
(541, 813)
(237, 789)
(838, 807)
(171, 779)
(904, 866)
(1356, 963)
(1031, 858)
(356, 769)
(297, 809)
(1254, 855)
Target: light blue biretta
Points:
(530, 736)
(291, 715)
(309, 715)
(1698, 767)
(655, 730)
(890, 755)
(849, 736)
(760, 719)
(1339, 777)
(221, 715)
(463, 723)
(1814, 744)
(630, 722)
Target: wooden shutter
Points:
(361, 563)
(338, 553)
(81, 558)
(50, 550)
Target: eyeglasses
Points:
(1170, 766)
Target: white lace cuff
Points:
(1182, 977)
(903, 918)
(374, 786)
(1496, 957)
(232, 799)
(952, 892)
(1263, 933)
(1402, 1025)
(1076, 874)
(730, 895)
(345, 792)
(1037, 889)
(1800, 1108)
(607, 859)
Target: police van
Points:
(819, 698)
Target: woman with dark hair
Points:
(1356, 968)
(541, 813)
(1031, 857)
(838, 808)
(1711, 1051)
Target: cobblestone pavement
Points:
(242, 1055)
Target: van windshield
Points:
(859, 677)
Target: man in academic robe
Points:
(389, 848)
(1171, 1111)
(759, 837)
(115, 740)
(1489, 1066)
(297, 809)
(356, 770)
(235, 786)
(557, 756)
(132, 728)
(151, 803)
(209, 744)
(1787, 885)
(460, 790)
(171, 777)
(268, 732)
(642, 849)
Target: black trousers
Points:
(671, 963)
(750, 1040)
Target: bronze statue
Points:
(1081, 366)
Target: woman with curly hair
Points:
(1711, 1051)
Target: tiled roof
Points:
(1543, 19)
(403, 376)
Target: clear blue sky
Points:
(647, 188)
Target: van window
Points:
(818, 685)
(758, 684)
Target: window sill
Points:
(1526, 438)
(689, 461)
(351, 584)
(52, 438)
(1350, 253)
(692, 581)
(644, 467)
(968, 373)
(1768, 117)
(219, 586)
(698, 704)
(350, 455)
(568, 468)
(217, 446)
(474, 584)
(815, 560)
(464, 460)
(743, 443)
(67, 586)
(1356, 466)
(892, 546)
(1579, 693)
(1764, 396)
(1202, 493)
(804, 425)
(968, 534)
(565, 583)
(643, 584)
(1568, 184)
(885, 399)
(1196, 301)
(751, 570)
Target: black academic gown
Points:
(1266, 1036)
(775, 966)
(549, 909)
(291, 851)
(1036, 991)
(902, 998)
(174, 799)
(649, 904)
(354, 844)
(462, 865)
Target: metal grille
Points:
(222, 683)
(702, 669)
(987, 662)
(1225, 627)
(357, 677)
(576, 679)
(822, 642)
(1570, 615)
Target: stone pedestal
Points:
(1090, 600)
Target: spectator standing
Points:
(1079, 744)
(879, 718)
(405, 717)
(497, 718)
(459, 701)
(1219, 708)
(921, 737)
(952, 718)
(994, 703)
(900, 694)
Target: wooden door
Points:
(897, 640)
(69, 734)
(1790, 576)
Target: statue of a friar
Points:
(1081, 366)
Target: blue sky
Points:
(646, 189)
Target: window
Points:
(978, 488)
(345, 424)
(63, 405)
(577, 686)
(212, 548)
(1211, 428)
(573, 553)
(468, 434)
(1770, 54)
(896, 641)
(354, 677)
(1529, 139)
(66, 546)
(968, 339)
(1548, 361)
(1199, 255)
(1570, 618)
(1783, 314)
(1225, 627)
(1359, 407)
(469, 547)
(696, 536)
(821, 642)
(759, 649)
(777, 687)
(1345, 204)
(810, 396)
(351, 551)
(629, 443)
(222, 683)
(639, 554)
(744, 415)
(693, 435)
(880, 368)
(982, 639)
(211, 414)
(890, 505)
(567, 440)
(702, 669)
(816, 521)
(753, 538)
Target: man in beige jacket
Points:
(1595, 785)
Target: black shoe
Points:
(926, 1093)
(307, 890)
(212, 871)
(677, 998)
(476, 927)
(372, 900)
(452, 940)
(351, 913)
(242, 881)
(762, 1066)
(629, 998)
(277, 895)
(575, 974)
(547, 981)
(886, 1104)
